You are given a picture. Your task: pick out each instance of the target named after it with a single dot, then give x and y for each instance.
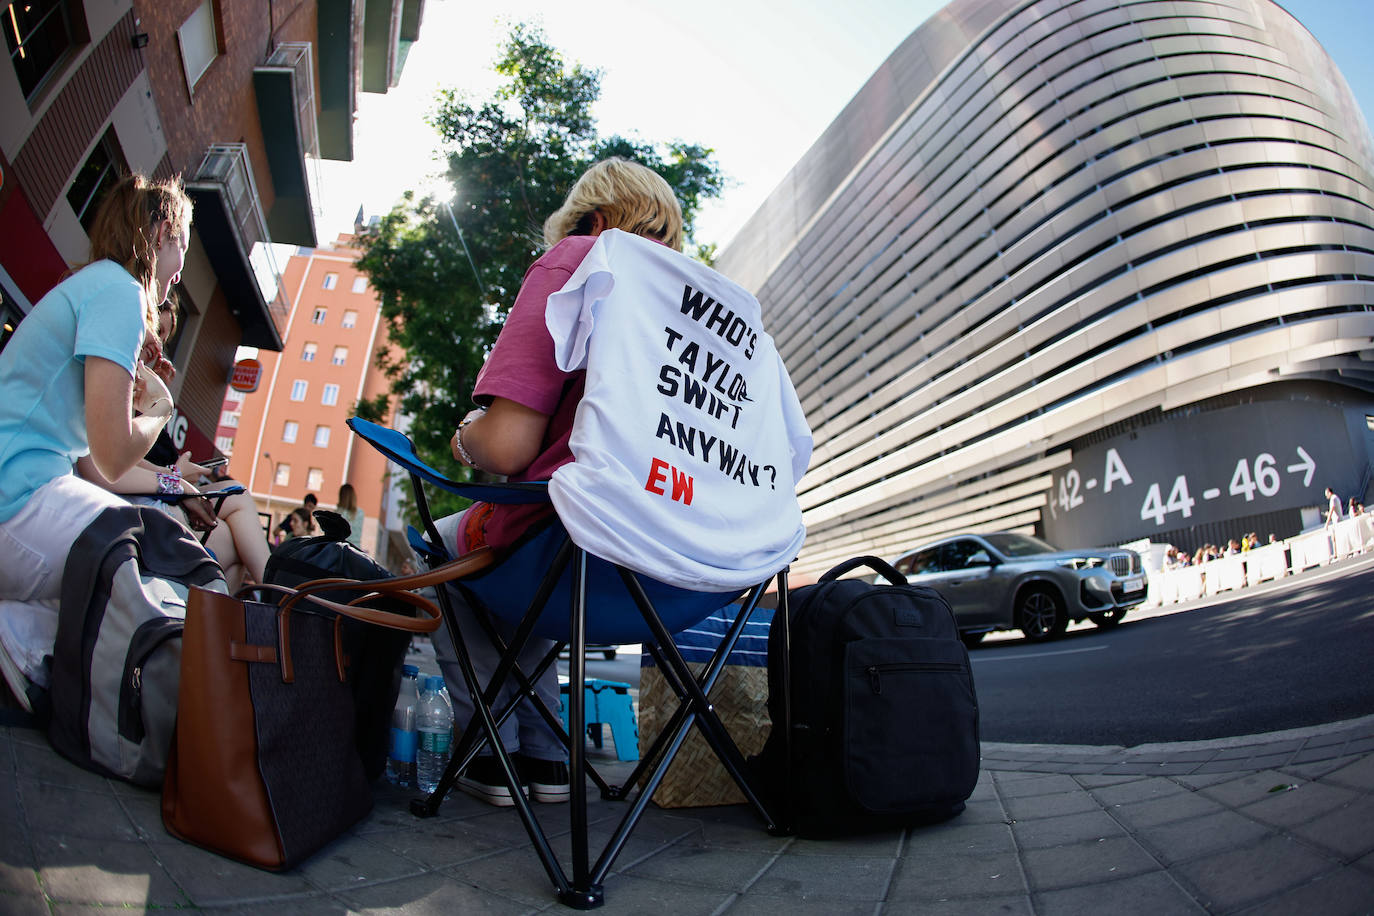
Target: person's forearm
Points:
(140, 479)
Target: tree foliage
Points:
(447, 272)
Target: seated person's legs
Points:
(538, 754)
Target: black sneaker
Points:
(483, 779)
(547, 779)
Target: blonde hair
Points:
(125, 230)
(628, 196)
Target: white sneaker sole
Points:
(493, 795)
(549, 794)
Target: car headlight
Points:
(1082, 563)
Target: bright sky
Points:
(756, 80)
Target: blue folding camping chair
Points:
(629, 608)
(687, 445)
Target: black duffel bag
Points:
(376, 654)
(884, 715)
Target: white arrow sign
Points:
(1307, 464)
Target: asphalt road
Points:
(1283, 655)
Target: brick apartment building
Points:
(239, 97)
(288, 437)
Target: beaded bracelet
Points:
(463, 454)
(169, 484)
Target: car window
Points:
(957, 553)
(922, 561)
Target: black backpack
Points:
(884, 716)
(375, 654)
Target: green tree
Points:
(448, 272)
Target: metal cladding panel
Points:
(1038, 218)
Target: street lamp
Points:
(271, 482)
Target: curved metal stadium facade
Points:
(1096, 270)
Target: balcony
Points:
(230, 223)
(286, 108)
(336, 50)
(390, 27)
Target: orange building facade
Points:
(289, 438)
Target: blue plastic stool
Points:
(607, 703)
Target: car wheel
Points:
(972, 639)
(1040, 614)
(1107, 619)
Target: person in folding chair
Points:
(640, 385)
(521, 430)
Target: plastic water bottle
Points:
(435, 722)
(400, 758)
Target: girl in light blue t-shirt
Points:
(69, 387)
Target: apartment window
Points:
(321, 436)
(225, 444)
(308, 352)
(331, 280)
(298, 389)
(331, 395)
(289, 430)
(38, 33)
(283, 475)
(233, 394)
(199, 42)
(229, 418)
(340, 356)
(350, 318)
(319, 316)
(100, 171)
(314, 480)
(360, 284)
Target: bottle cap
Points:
(436, 682)
(410, 671)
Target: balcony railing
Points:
(227, 165)
(295, 55)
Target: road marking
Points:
(1012, 658)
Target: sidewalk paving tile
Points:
(1247, 788)
(210, 880)
(1358, 774)
(1075, 802)
(703, 866)
(1151, 894)
(1091, 862)
(431, 892)
(1048, 832)
(959, 839)
(1347, 831)
(768, 905)
(104, 873)
(1033, 786)
(926, 878)
(1237, 877)
(1306, 801)
(1186, 806)
(1151, 789)
(1181, 841)
(1347, 892)
(827, 876)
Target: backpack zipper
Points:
(875, 672)
(149, 636)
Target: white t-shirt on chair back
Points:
(689, 441)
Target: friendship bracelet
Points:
(169, 484)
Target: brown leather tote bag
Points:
(264, 767)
